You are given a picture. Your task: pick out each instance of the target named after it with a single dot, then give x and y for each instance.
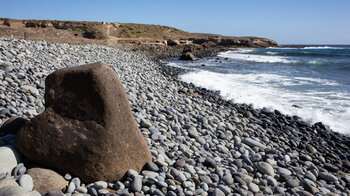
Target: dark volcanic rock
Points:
(87, 128)
(12, 125)
(187, 55)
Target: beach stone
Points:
(103, 191)
(310, 148)
(101, 184)
(46, 180)
(136, 184)
(87, 125)
(292, 183)
(19, 170)
(34, 91)
(71, 187)
(180, 162)
(209, 162)
(8, 182)
(9, 159)
(327, 177)
(54, 193)
(265, 168)
(253, 143)
(253, 187)
(14, 191)
(81, 189)
(272, 181)
(26, 182)
(218, 192)
(227, 179)
(192, 132)
(151, 166)
(284, 171)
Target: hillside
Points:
(103, 33)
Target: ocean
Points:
(312, 82)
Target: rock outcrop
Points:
(87, 128)
(187, 55)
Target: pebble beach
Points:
(201, 144)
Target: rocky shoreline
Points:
(200, 143)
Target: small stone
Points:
(192, 132)
(67, 177)
(76, 181)
(18, 171)
(136, 184)
(280, 190)
(225, 189)
(253, 143)
(180, 162)
(145, 123)
(209, 162)
(34, 91)
(253, 187)
(284, 171)
(227, 179)
(26, 182)
(152, 166)
(149, 173)
(327, 177)
(265, 168)
(292, 183)
(71, 187)
(81, 189)
(310, 148)
(255, 157)
(100, 184)
(272, 181)
(286, 158)
(218, 192)
(92, 191)
(54, 193)
(103, 191)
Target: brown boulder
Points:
(87, 128)
(46, 180)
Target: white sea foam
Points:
(264, 90)
(308, 47)
(322, 47)
(239, 55)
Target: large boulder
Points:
(87, 128)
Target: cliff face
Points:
(76, 32)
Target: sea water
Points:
(311, 82)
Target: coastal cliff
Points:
(105, 33)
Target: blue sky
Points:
(287, 22)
